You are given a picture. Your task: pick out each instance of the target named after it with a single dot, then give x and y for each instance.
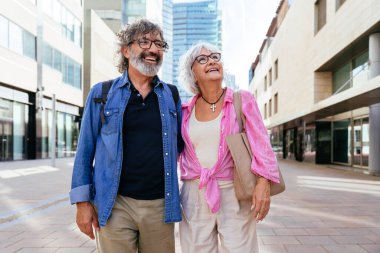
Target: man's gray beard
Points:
(144, 68)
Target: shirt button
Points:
(168, 194)
(163, 115)
(165, 133)
(166, 153)
(167, 174)
(143, 104)
(139, 95)
(107, 113)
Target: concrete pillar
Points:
(374, 54)
(374, 137)
(374, 110)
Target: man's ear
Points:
(125, 51)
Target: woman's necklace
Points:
(213, 105)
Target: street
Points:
(324, 209)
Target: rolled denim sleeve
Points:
(82, 178)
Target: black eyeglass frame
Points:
(164, 47)
(207, 57)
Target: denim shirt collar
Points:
(124, 80)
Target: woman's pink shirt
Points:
(264, 161)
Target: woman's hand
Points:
(261, 199)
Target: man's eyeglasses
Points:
(146, 44)
(203, 59)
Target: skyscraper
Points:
(193, 22)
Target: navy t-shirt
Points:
(142, 174)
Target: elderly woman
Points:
(210, 207)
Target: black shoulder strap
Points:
(106, 86)
(175, 93)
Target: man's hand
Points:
(261, 199)
(87, 218)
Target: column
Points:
(374, 110)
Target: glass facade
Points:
(193, 22)
(67, 132)
(71, 27)
(17, 39)
(351, 73)
(167, 26)
(13, 130)
(70, 69)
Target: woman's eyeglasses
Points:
(203, 59)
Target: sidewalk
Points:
(323, 210)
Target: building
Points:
(111, 12)
(117, 13)
(98, 52)
(41, 57)
(318, 84)
(193, 22)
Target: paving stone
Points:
(351, 239)
(67, 242)
(322, 231)
(371, 248)
(344, 249)
(279, 240)
(315, 239)
(290, 231)
(38, 250)
(305, 248)
(272, 249)
(77, 250)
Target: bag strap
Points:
(238, 110)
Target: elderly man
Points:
(124, 180)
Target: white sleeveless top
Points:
(205, 137)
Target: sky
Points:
(244, 25)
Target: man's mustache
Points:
(145, 54)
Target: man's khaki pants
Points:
(136, 226)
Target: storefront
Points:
(14, 109)
(25, 133)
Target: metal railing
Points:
(364, 67)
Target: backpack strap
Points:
(106, 86)
(239, 115)
(175, 93)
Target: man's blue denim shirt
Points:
(98, 159)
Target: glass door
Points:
(6, 141)
(357, 143)
(360, 142)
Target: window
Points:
(270, 77)
(265, 83)
(15, 38)
(265, 111)
(320, 14)
(350, 73)
(276, 69)
(3, 32)
(339, 3)
(70, 69)
(270, 108)
(28, 45)
(275, 103)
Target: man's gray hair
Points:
(127, 35)
(186, 75)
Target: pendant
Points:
(212, 107)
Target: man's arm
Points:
(81, 185)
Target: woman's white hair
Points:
(185, 74)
